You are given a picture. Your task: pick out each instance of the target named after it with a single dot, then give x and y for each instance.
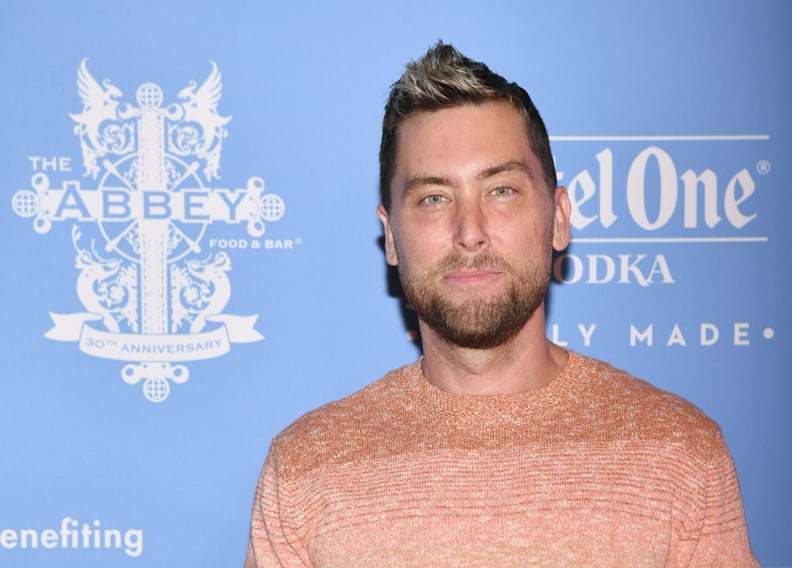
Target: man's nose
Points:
(471, 227)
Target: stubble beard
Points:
(481, 323)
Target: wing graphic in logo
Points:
(201, 130)
(98, 125)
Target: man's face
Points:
(472, 223)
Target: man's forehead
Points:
(468, 108)
(453, 125)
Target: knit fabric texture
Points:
(597, 468)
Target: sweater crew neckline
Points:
(545, 398)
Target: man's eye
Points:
(502, 191)
(433, 199)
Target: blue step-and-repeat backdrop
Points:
(152, 347)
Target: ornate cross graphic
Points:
(153, 297)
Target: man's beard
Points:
(478, 323)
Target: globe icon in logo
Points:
(25, 203)
(149, 96)
(156, 389)
(272, 207)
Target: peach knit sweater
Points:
(596, 469)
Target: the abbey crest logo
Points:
(152, 295)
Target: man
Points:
(496, 448)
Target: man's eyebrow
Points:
(419, 181)
(510, 166)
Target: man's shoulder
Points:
(635, 406)
(332, 431)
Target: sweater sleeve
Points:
(721, 535)
(273, 540)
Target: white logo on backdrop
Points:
(637, 204)
(152, 296)
(652, 204)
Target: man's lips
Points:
(471, 275)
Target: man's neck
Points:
(528, 361)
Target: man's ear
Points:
(561, 213)
(390, 244)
